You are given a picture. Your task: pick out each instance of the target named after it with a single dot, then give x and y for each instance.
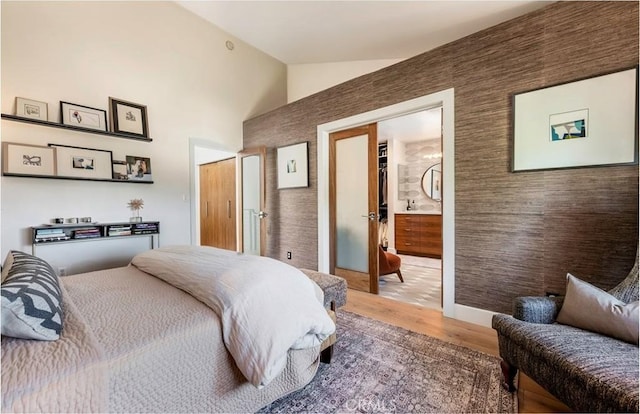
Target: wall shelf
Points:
(72, 128)
(57, 177)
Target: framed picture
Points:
(28, 159)
(120, 170)
(83, 116)
(590, 122)
(293, 166)
(128, 118)
(29, 108)
(139, 168)
(83, 162)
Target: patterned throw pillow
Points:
(31, 298)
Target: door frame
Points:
(261, 152)
(443, 98)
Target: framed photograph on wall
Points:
(28, 108)
(589, 122)
(83, 116)
(83, 162)
(293, 166)
(138, 168)
(28, 159)
(128, 118)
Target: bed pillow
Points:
(31, 298)
(587, 307)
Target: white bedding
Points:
(266, 307)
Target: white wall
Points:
(307, 79)
(153, 53)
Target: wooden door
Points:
(218, 204)
(353, 202)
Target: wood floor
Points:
(531, 397)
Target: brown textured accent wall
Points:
(516, 233)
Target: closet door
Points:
(218, 204)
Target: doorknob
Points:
(371, 216)
(262, 214)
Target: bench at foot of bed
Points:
(335, 296)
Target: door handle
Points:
(371, 216)
(262, 214)
(206, 209)
(228, 208)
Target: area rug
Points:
(379, 368)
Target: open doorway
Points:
(444, 99)
(410, 170)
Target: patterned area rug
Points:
(379, 368)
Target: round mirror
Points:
(432, 182)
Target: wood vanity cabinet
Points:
(419, 234)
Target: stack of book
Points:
(145, 228)
(87, 233)
(45, 235)
(120, 230)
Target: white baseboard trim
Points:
(473, 315)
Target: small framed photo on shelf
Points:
(83, 162)
(83, 116)
(120, 170)
(139, 168)
(128, 118)
(28, 108)
(28, 159)
(293, 166)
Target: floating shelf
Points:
(72, 128)
(56, 177)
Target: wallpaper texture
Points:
(515, 233)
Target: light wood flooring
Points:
(531, 397)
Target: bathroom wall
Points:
(418, 157)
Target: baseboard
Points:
(473, 315)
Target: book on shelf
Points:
(141, 225)
(120, 233)
(145, 231)
(52, 238)
(87, 231)
(87, 236)
(57, 234)
(120, 227)
(45, 232)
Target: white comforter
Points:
(266, 307)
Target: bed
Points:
(146, 338)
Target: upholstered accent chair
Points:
(587, 371)
(389, 263)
